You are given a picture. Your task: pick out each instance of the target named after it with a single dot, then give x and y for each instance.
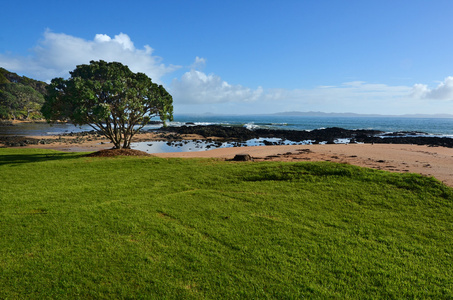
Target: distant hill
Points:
(20, 97)
(323, 114)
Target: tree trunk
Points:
(116, 142)
(127, 142)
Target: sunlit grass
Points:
(78, 227)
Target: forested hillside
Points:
(20, 97)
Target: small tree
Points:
(110, 98)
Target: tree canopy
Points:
(110, 98)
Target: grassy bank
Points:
(78, 227)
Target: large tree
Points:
(110, 98)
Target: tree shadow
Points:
(26, 157)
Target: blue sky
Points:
(246, 57)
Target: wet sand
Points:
(425, 160)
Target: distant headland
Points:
(323, 114)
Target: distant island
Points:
(323, 114)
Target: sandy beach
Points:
(425, 160)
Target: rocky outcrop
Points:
(414, 140)
(327, 135)
(242, 157)
(244, 134)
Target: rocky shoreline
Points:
(240, 135)
(318, 136)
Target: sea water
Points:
(436, 126)
(442, 127)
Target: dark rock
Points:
(415, 140)
(404, 133)
(328, 135)
(242, 157)
(244, 134)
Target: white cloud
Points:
(358, 96)
(353, 84)
(348, 92)
(57, 54)
(444, 91)
(199, 63)
(419, 90)
(102, 38)
(197, 87)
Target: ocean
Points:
(430, 126)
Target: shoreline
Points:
(426, 160)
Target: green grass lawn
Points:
(128, 227)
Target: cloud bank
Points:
(197, 92)
(58, 53)
(196, 87)
(444, 91)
